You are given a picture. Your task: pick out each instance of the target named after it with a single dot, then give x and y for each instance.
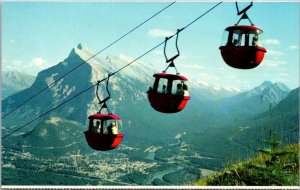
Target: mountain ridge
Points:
(206, 134)
(15, 81)
(259, 98)
(129, 89)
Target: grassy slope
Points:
(279, 167)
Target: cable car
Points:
(242, 44)
(101, 140)
(103, 131)
(162, 96)
(243, 48)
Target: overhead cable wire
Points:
(168, 38)
(111, 74)
(81, 91)
(49, 111)
(73, 69)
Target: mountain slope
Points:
(280, 168)
(155, 145)
(53, 96)
(282, 119)
(51, 137)
(289, 105)
(257, 100)
(128, 89)
(14, 81)
(242, 138)
(250, 135)
(129, 99)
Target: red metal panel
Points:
(242, 57)
(243, 27)
(170, 76)
(167, 103)
(103, 142)
(105, 117)
(117, 140)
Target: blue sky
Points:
(37, 35)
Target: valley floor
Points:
(149, 166)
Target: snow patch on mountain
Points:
(54, 120)
(102, 67)
(213, 92)
(273, 93)
(232, 89)
(68, 90)
(140, 70)
(43, 132)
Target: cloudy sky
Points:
(37, 35)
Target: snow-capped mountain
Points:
(272, 93)
(213, 92)
(283, 119)
(254, 101)
(125, 86)
(14, 81)
(128, 98)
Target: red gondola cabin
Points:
(242, 47)
(96, 136)
(163, 97)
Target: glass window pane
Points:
(235, 38)
(177, 87)
(162, 85)
(225, 38)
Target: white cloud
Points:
(159, 53)
(13, 65)
(271, 42)
(193, 66)
(160, 33)
(17, 62)
(206, 76)
(293, 47)
(231, 76)
(38, 62)
(274, 53)
(274, 63)
(283, 74)
(221, 69)
(32, 67)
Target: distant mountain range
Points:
(217, 122)
(15, 81)
(243, 137)
(129, 98)
(255, 101)
(213, 92)
(283, 119)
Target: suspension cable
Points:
(76, 67)
(47, 112)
